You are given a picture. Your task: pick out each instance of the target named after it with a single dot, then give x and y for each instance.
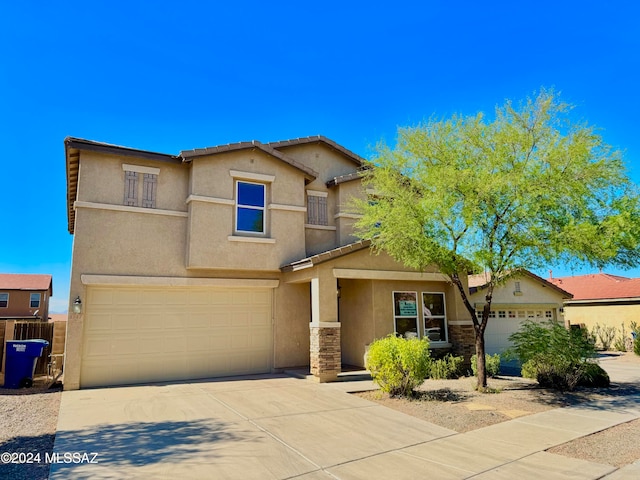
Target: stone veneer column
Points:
(463, 338)
(325, 354)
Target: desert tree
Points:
(524, 189)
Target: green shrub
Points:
(635, 332)
(530, 370)
(445, 368)
(620, 343)
(399, 365)
(603, 335)
(491, 364)
(593, 375)
(553, 353)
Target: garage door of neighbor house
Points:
(507, 322)
(137, 335)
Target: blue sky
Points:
(171, 76)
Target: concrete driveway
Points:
(264, 427)
(279, 427)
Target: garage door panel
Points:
(259, 319)
(155, 334)
(261, 298)
(121, 297)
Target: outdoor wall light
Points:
(77, 305)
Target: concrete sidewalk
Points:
(278, 427)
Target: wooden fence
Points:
(52, 332)
(33, 330)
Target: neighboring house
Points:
(234, 259)
(601, 299)
(524, 297)
(25, 296)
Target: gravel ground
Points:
(28, 420)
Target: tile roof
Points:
(357, 159)
(23, 281)
(74, 145)
(480, 280)
(187, 155)
(599, 286)
(325, 256)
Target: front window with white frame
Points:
(434, 312)
(4, 300)
(34, 300)
(250, 207)
(405, 314)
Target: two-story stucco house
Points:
(234, 259)
(25, 296)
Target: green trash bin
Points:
(22, 356)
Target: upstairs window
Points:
(132, 195)
(34, 301)
(250, 207)
(4, 300)
(317, 208)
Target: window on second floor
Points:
(250, 207)
(132, 195)
(34, 301)
(4, 300)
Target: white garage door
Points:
(136, 335)
(503, 323)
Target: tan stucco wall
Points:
(194, 243)
(323, 159)
(292, 313)
(366, 311)
(210, 224)
(533, 293)
(604, 315)
(102, 180)
(317, 240)
(345, 211)
(366, 306)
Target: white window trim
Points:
(395, 317)
(252, 207)
(444, 317)
(7, 294)
(257, 177)
(140, 169)
(39, 300)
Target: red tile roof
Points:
(599, 286)
(22, 281)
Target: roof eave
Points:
(188, 155)
(320, 139)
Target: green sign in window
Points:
(407, 308)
